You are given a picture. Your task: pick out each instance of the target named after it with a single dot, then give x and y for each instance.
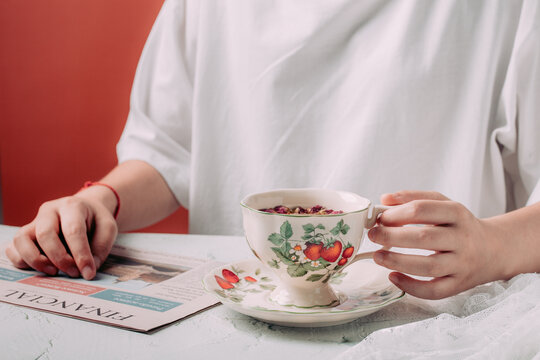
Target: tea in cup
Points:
(305, 236)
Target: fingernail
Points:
(73, 271)
(87, 273)
(49, 269)
(393, 278)
(378, 257)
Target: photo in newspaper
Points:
(134, 289)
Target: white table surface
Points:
(217, 333)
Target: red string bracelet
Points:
(87, 184)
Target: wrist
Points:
(101, 193)
(506, 254)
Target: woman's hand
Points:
(73, 234)
(466, 252)
(76, 233)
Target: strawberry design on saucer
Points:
(246, 287)
(234, 287)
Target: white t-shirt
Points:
(235, 97)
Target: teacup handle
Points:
(370, 222)
(375, 212)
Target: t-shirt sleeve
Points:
(158, 128)
(520, 138)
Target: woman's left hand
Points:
(466, 253)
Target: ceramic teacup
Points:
(305, 250)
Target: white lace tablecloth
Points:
(500, 320)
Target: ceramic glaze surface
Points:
(305, 251)
(247, 286)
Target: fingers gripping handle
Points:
(375, 212)
(370, 222)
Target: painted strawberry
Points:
(230, 276)
(313, 250)
(342, 261)
(223, 283)
(347, 253)
(331, 253)
(250, 279)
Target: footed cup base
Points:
(323, 296)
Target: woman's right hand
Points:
(73, 234)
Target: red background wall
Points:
(66, 69)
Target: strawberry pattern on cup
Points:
(318, 249)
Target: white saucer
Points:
(363, 288)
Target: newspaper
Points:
(134, 289)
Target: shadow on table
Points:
(394, 315)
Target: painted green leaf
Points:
(325, 280)
(307, 237)
(282, 256)
(257, 272)
(267, 286)
(324, 263)
(296, 270)
(266, 279)
(276, 239)
(286, 230)
(285, 248)
(315, 277)
(329, 243)
(320, 226)
(345, 229)
(339, 226)
(273, 263)
(337, 278)
(236, 299)
(308, 228)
